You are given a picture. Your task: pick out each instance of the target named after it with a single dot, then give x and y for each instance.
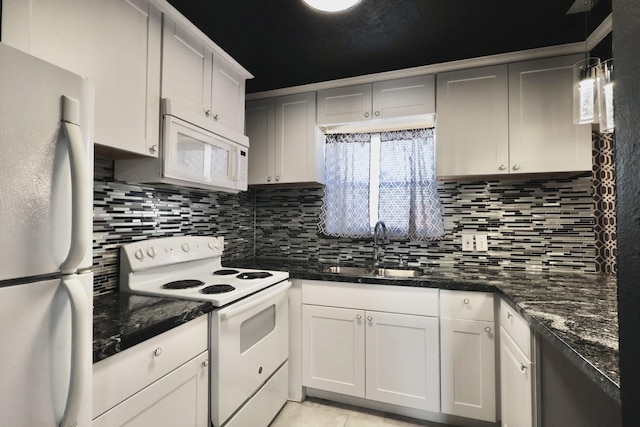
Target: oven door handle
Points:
(239, 308)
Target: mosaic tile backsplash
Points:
(533, 225)
(552, 224)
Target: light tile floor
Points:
(321, 413)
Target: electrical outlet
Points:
(467, 242)
(481, 243)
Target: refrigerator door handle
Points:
(80, 363)
(79, 183)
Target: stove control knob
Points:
(214, 244)
(185, 247)
(151, 252)
(139, 255)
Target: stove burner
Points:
(225, 272)
(254, 275)
(183, 284)
(217, 289)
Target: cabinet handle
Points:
(277, 178)
(466, 301)
(523, 368)
(377, 113)
(207, 113)
(502, 167)
(153, 149)
(205, 364)
(516, 167)
(157, 352)
(487, 330)
(366, 114)
(268, 179)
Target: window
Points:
(388, 176)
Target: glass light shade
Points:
(332, 5)
(586, 91)
(606, 103)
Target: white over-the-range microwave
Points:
(194, 152)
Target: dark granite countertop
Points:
(576, 312)
(122, 320)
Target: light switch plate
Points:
(481, 243)
(467, 242)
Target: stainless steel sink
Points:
(373, 272)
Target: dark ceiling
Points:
(284, 43)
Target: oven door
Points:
(249, 341)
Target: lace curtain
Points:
(407, 196)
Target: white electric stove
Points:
(189, 267)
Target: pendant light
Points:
(606, 96)
(331, 5)
(586, 91)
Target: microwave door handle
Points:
(235, 174)
(240, 307)
(80, 363)
(79, 184)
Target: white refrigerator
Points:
(46, 199)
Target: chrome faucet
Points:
(380, 239)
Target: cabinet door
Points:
(516, 380)
(542, 135)
(344, 104)
(186, 68)
(178, 398)
(333, 349)
(116, 44)
(296, 150)
(260, 128)
(468, 368)
(227, 95)
(404, 97)
(402, 363)
(472, 132)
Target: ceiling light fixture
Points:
(331, 5)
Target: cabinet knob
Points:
(207, 113)
(523, 368)
(153, 149)
(268, 179)
(466, 301)
(157, 352)
(509, 315)
(366, 114)
(487, 330)
(359, 317)
(516, 167)
(216, 117)
(502, 167)
(277, 178)
(205, 364)
(377, 113)
(369, 318)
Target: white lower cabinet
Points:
(517, 370)
(386, 356)
(163, 381)
(467, 348)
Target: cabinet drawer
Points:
(124, 374)
(516, 327)
(466, 305)
(395, 299)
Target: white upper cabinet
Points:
(198, 77)
(390, 99)
(116, 44)
(472, 131)
(542, 136)
(515, 118)
(285, 147)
